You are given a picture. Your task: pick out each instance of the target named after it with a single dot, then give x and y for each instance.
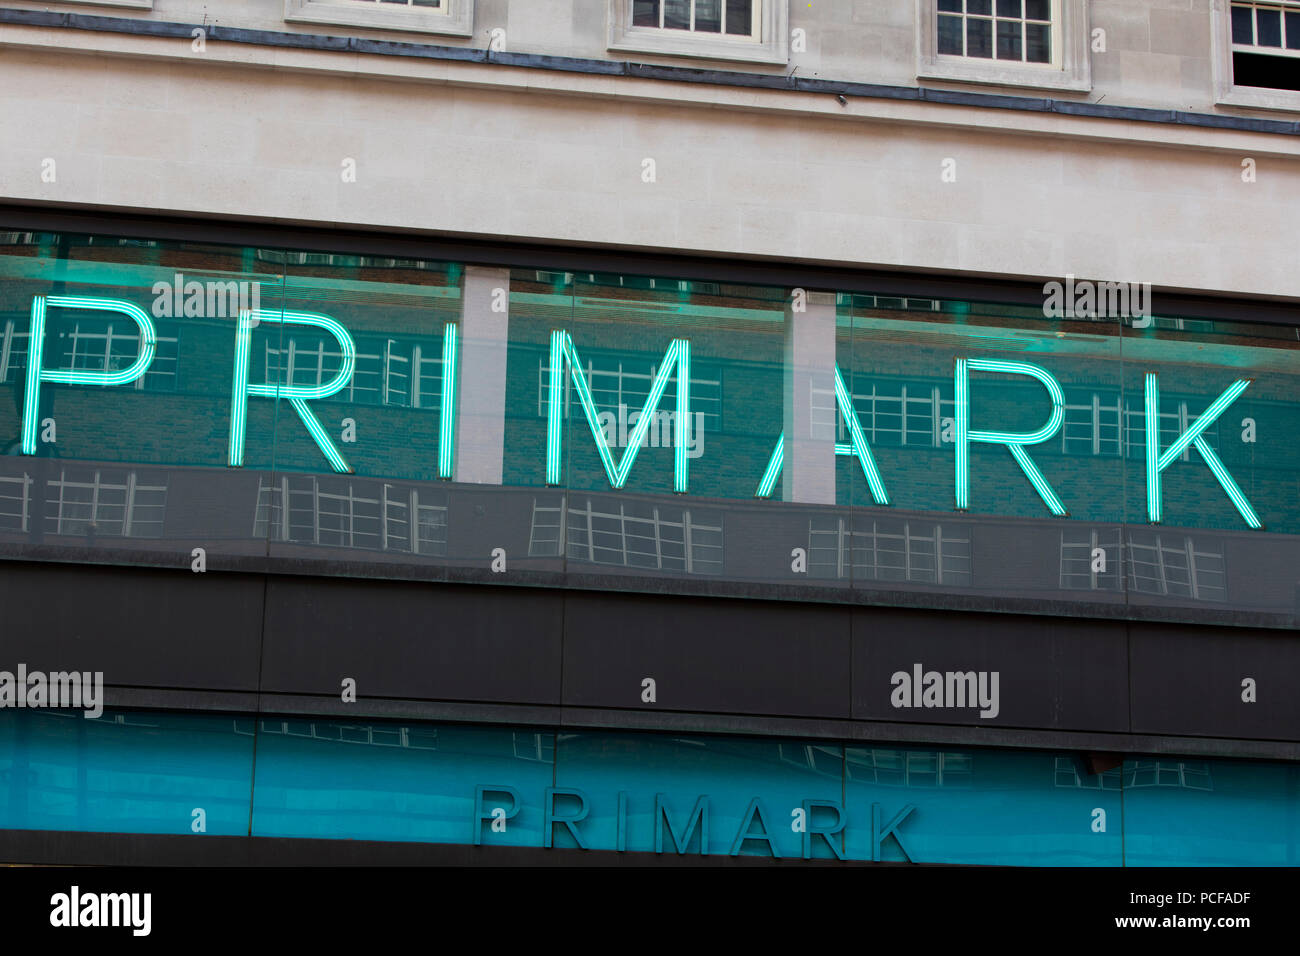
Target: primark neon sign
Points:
(676, 364)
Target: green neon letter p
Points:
(36, 349)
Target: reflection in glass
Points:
(128, 772)
(455, 453)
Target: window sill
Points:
(1258, 97)
(707, 48)
(129, 4)
(993, 74)
(459, 22)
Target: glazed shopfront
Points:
(492, 549)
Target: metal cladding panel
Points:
(138, 626)
(1063, 674)
(733, 657)
(1191, 680)
(582, 658)
(413, 641)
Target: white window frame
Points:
(770, 45)
(456, 20)
(1076, 552)
(848, 541)
(1226, 93)
(398, 515)
(100, 506)
(575, 536)
(1070, 68)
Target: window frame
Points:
(1226, 92)
(772, 44)
(1070, 68)
(456, 20)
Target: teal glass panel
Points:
(397, 414)
(541, 302)
(983, 806)
(1183, 812)
(395, 312)
(149, 772)
(1012, 488)
(125, 772)
(636, 482)
(529, 510)
(365, 472)
(391, 781)
(176, 411)
(728, 773)
(98, 456)
(1224, 532)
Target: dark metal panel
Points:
(1051, 673)
(430, 642)
(1188, 680)
(712, 656)
(139, 626)
(178, 640)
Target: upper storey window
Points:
(1015, 30)
(1266, 45)
(728, 17)
(1035, 43)
(451, 17)
(1257, 54)
(750, 30)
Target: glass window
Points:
(1014, 30)
(728, 17)
(414, 416)
(1266, 44)
(453, 17)
(146, 772)
(124, 772)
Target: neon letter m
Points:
(677, 358)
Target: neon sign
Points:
(676, 364)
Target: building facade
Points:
(858, 431)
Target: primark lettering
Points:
(680, 430)
(811, 822)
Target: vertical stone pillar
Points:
(808, 470)
(481, 389)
